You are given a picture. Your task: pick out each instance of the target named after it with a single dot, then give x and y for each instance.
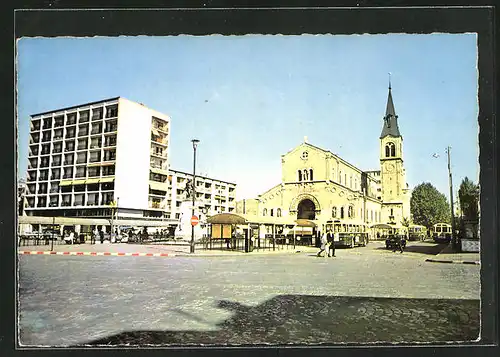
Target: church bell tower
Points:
(395, 200)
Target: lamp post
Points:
(193, 192)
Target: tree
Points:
(468, 195)
(429, 206)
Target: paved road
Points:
(362, 295)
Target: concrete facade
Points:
(110, 157)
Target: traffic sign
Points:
(194, 220)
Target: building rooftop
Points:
(76, 106)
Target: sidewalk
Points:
(448, 255)
(124, 249)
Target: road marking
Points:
(119, 254)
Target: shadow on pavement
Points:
(433, 249)
(309, 319)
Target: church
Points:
(319, 186)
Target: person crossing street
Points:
(324, 242)
(331, 243)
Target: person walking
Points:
(399, 244)
(101, 236)
(93, 236)
(324, 242)
(331, 243)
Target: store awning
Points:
(65, 183)
(92, 180)
(305, 223)
(382, 226)
(158, 186)
(106, 179)
(226, 218)
(159, 171)
(78, 182)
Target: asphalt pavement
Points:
(364, 295)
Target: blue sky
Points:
(250, 99)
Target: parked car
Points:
(394, 240)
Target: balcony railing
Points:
(110, 128)
(53, 204)
(54, 190)
(82, 147)
(156, 205)
(58, 123)
(65, 203)
(36, 127)
(69, 148)
(110, 143)
(67, 176)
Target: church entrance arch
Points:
(306, 209)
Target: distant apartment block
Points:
(213, 196)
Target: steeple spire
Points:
(390, 118)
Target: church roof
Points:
(390, 127)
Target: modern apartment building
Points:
(82, 160)
(213, 196)
(111, 157)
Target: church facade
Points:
(320, 186)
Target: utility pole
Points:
(453, 234)
(193, 192)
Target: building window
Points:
(311, 174)
(334, 212)
(305, 175)
(350, 181)
(278, 212)
(392, 211)
(345, 179)
(299, 172)
(350, 212)
(371, 215)
(272, 212)
(390, 150)
(341, 212)
(305, 155)
(264, 212)
(340, 177)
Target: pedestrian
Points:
(71, 237)
(331, 243)
(101, 236)
(324, 242)
(398, 244)
(93, 236)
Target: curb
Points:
(453, 261)
(98, 254)
(30, 252)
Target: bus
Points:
(348, 234)
(416, 232)
(441, 232)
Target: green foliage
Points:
(468, 194)
(429, 206)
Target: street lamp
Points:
(450, 179)
(453, 233)
(193, 192)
